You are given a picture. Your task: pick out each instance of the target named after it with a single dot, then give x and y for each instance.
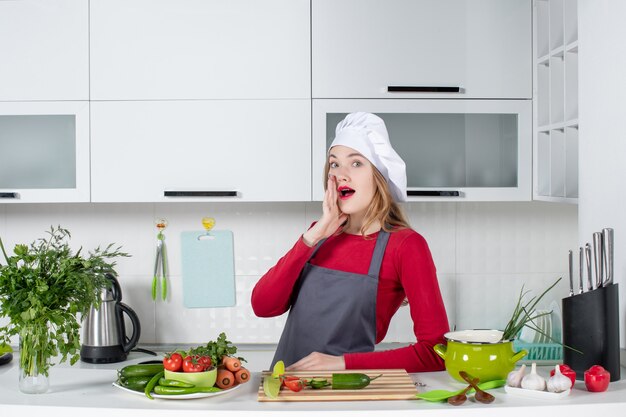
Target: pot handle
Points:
(519, 355)
(440, 349)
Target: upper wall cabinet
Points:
(201, 150)
(422, 48)
(200, 49)
(44, 49)
(44, 151)
(454, 150)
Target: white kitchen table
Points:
(86, 390)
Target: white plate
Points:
(556, 321)
(540, 324)
(528, 335)
(548, 337)
(179, 397)
(531, 393)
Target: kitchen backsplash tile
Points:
(514, 238)
(486, 301)
(483, 252)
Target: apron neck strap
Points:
(317, 247)
(379, 252)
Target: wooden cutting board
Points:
(394, 384)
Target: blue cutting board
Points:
(208, 269)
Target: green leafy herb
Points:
(524, 315)
(44, 289)
(217, 349)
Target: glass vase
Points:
(34, 360)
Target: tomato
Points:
(597, 379)
(568, 372)
(190, 364)
(205, 361)
(294, 383)
(173, 362)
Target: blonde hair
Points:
(383, 207)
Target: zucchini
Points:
(140, 370)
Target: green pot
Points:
(480, 353)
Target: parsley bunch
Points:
(44, 288)
(217, 349)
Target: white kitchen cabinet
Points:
(44, 48)
(556, 105)
(200, 49)
(201, 150)
(44, 152)
(454, 150)
(361, 48)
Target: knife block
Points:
(591, 325)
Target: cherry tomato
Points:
(173, 362)
(597, 379)
(205, 361)
(285, 378)
(568, 372)
(294, 383)
(190, 364)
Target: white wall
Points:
(602, 141)
(484, 252)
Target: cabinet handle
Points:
(434, 193)
(421, 89)
(200, 193)
(9, 195)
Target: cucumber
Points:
(136, 383)
(140, 370)
(317, 383)
(351, 381)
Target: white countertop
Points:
(85, 389)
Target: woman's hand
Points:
(332, 217)
(317, 361)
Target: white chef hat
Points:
(366, 133)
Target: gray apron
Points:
(332, 311)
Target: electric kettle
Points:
(104, 334)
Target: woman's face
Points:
(355, 179)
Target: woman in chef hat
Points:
(348, 274)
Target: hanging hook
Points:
(207, 223)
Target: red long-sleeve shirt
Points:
(407, 270)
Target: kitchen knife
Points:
(581, 268)
(588, 260)
(571, 273)
(607, 245)
(598, 258)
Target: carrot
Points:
(232, 364)
(225, 379)
(242, 375)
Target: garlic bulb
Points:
(559, 382)
(514, 379)
(533, 380)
